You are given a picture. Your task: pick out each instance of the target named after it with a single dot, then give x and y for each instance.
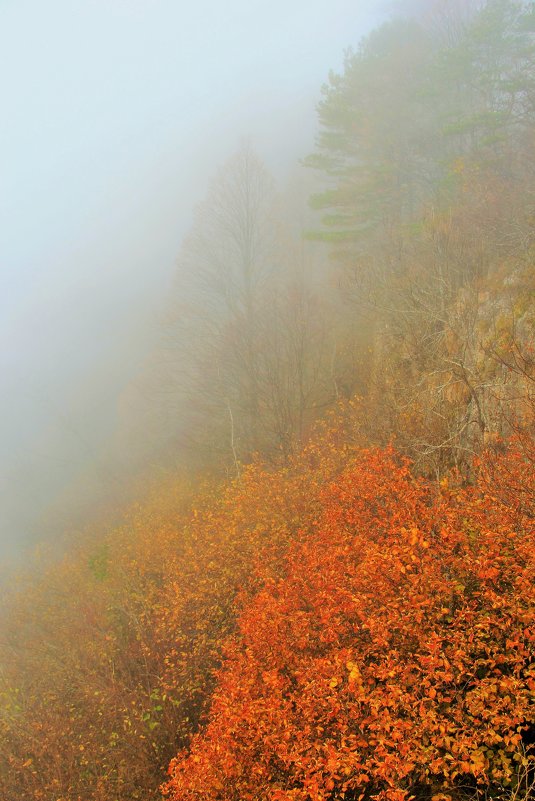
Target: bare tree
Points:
(244, 336)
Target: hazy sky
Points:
(115, 115)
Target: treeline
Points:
(424, 175)
(327, 614)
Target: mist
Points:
(116, 115)
(267, 400)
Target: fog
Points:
(116, 113)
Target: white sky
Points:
(115, 114)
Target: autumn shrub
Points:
(390, 654)
(78, 694)
(107, 658)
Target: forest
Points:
(323, 587)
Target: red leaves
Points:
(391, 649)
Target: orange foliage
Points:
(378, 638)
(389, 652)
(107, 659)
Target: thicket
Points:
(108, 658)
(389, 654)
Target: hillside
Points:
(325, 586)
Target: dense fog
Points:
(116, 116)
